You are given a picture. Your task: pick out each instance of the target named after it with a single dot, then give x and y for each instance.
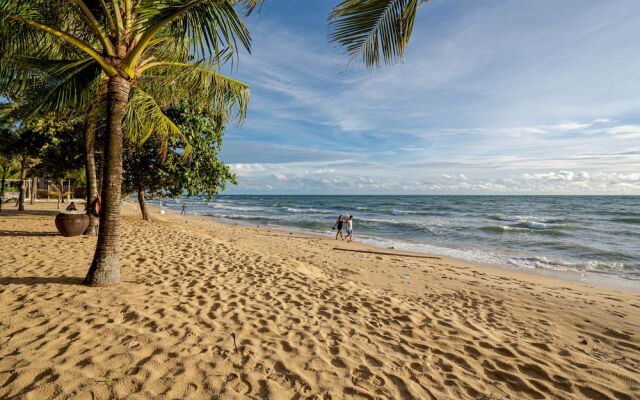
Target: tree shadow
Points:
(39, 280)
(27, 233)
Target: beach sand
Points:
(309, 321)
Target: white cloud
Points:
(280, 177)
(625, 131)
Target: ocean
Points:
(591, 236)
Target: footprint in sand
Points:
(238, 385)
(367, 380)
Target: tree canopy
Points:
(151, 169)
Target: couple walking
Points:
(341, 221)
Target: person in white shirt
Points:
(349, 223)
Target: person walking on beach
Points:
(338, 225)
(184, 210)
(349, 229)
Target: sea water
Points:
(588, 235)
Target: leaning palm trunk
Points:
(34, 189)
(90, 127)
(22, 188)
(105, 268)
(143, 205)
(2, 187)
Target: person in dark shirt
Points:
(338, 225)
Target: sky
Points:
(492, 97)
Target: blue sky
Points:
(528, 96)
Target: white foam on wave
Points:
(307, 210)
(473, 255)
(535, 225)
(484, 256)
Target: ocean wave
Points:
(531, 219)
(559, 265)
(423, 226)
(503, 228)
(525, 228)
(238, 208)
(307, 210)
(629, 220)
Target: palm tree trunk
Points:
(90, 127)
(34, 190)
(105, 268)
(22, 188)
(143, 205)
(2, 187)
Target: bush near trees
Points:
(152, 168)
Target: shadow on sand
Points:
(40, 280)
(12, 212)
(27, 233)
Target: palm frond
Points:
(144, 118)
(207, 27)
(371, 30)
(62, 86)
(202, 85)
(250, 5)
(18, 37)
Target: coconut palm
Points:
(126, 39)
(371, 30)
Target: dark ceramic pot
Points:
(72, 224)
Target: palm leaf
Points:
(49, 85)
(201, 85)
(250, 5)
(371, 30)
(144, 118)
(206, 27)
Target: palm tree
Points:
(371, 30)
(126, 38)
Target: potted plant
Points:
(70, 222)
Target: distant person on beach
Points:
(349, 228)
(72, 207)
(184, 210)
(338, 225)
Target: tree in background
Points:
(46, 146)
(61, 158)
(22, 143)
(149, 168)
(8, 170)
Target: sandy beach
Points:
(212, 311)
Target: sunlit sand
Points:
(217, 311)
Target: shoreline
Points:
(209, 310)
(584, 277)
